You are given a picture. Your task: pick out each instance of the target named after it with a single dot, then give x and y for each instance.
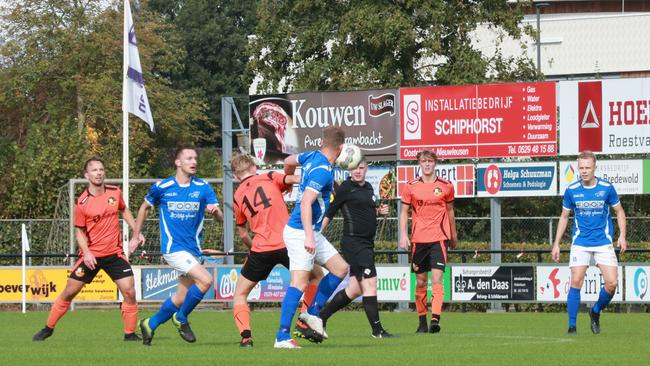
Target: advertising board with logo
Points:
(45, 284)
(627, 176)
(605, 116)
(492, 283)
(636, 283)
(553, 284)
(479, 121)
(159, 283)
(460, 175)
(287, 124)
(271, 289)
(516, 180)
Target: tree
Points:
(338, 45)
(214, 36)
(61, 68)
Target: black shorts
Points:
(258, 265)
(360, 255)
(115, 266)
(428, 256)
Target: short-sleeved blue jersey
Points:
(317, 175)
(593, 224)
(182, 209)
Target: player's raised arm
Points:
(452, 224)
(404, 242)
(308, 198)
(621, 221)
(82, 241)
(290, 164)
(561, 228)
(143, 211)
(215, 211)
(242, 230)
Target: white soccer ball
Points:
(349, 157)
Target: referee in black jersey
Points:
(356, 200)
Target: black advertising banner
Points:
(287, 124)
(493, 283)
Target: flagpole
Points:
(25, 247)
(125, 124)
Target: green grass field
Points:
(94, 337)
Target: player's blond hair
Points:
(427, 154)
(587, 154)
(241, 163)
(333, 137)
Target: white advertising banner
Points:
(553, 284)
(393, 283)
(636, 283)
(605, 116)
(625, 175)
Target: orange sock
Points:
(308, 297)
(421, 300)
(129, 317)
(242, 315)
(59, 308)
(437, 296)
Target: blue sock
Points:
(573, 305)
(289, 306)
(192, 298)
(326, 288)
(164, 314)
(603, 299)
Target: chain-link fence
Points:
(518, 233)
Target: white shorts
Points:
(582, 256)
(299, 258)
(181, 261)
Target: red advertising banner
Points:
(479, 121)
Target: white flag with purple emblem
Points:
(134, 96)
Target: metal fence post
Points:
(495, 240)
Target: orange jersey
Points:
(99, 216)
(259, 201)
(428, 201)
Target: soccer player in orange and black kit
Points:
(97, 229)
(433, 230)
(258, 201)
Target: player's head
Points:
(94, 171)
(243, 165)
(587, 166)
(333, 139)
(186, 159)
(427, 160)
(358, 174)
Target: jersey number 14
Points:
(259, 199)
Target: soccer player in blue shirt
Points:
(305, 244)
(183, 200)
(593, 230)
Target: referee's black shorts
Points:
(360, 255)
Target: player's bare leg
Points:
(59, 308)
(437, 297)
(129, 307)
(241, 311)
(421, 281)
(573, 297)
(201, 280)
(610, 276)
